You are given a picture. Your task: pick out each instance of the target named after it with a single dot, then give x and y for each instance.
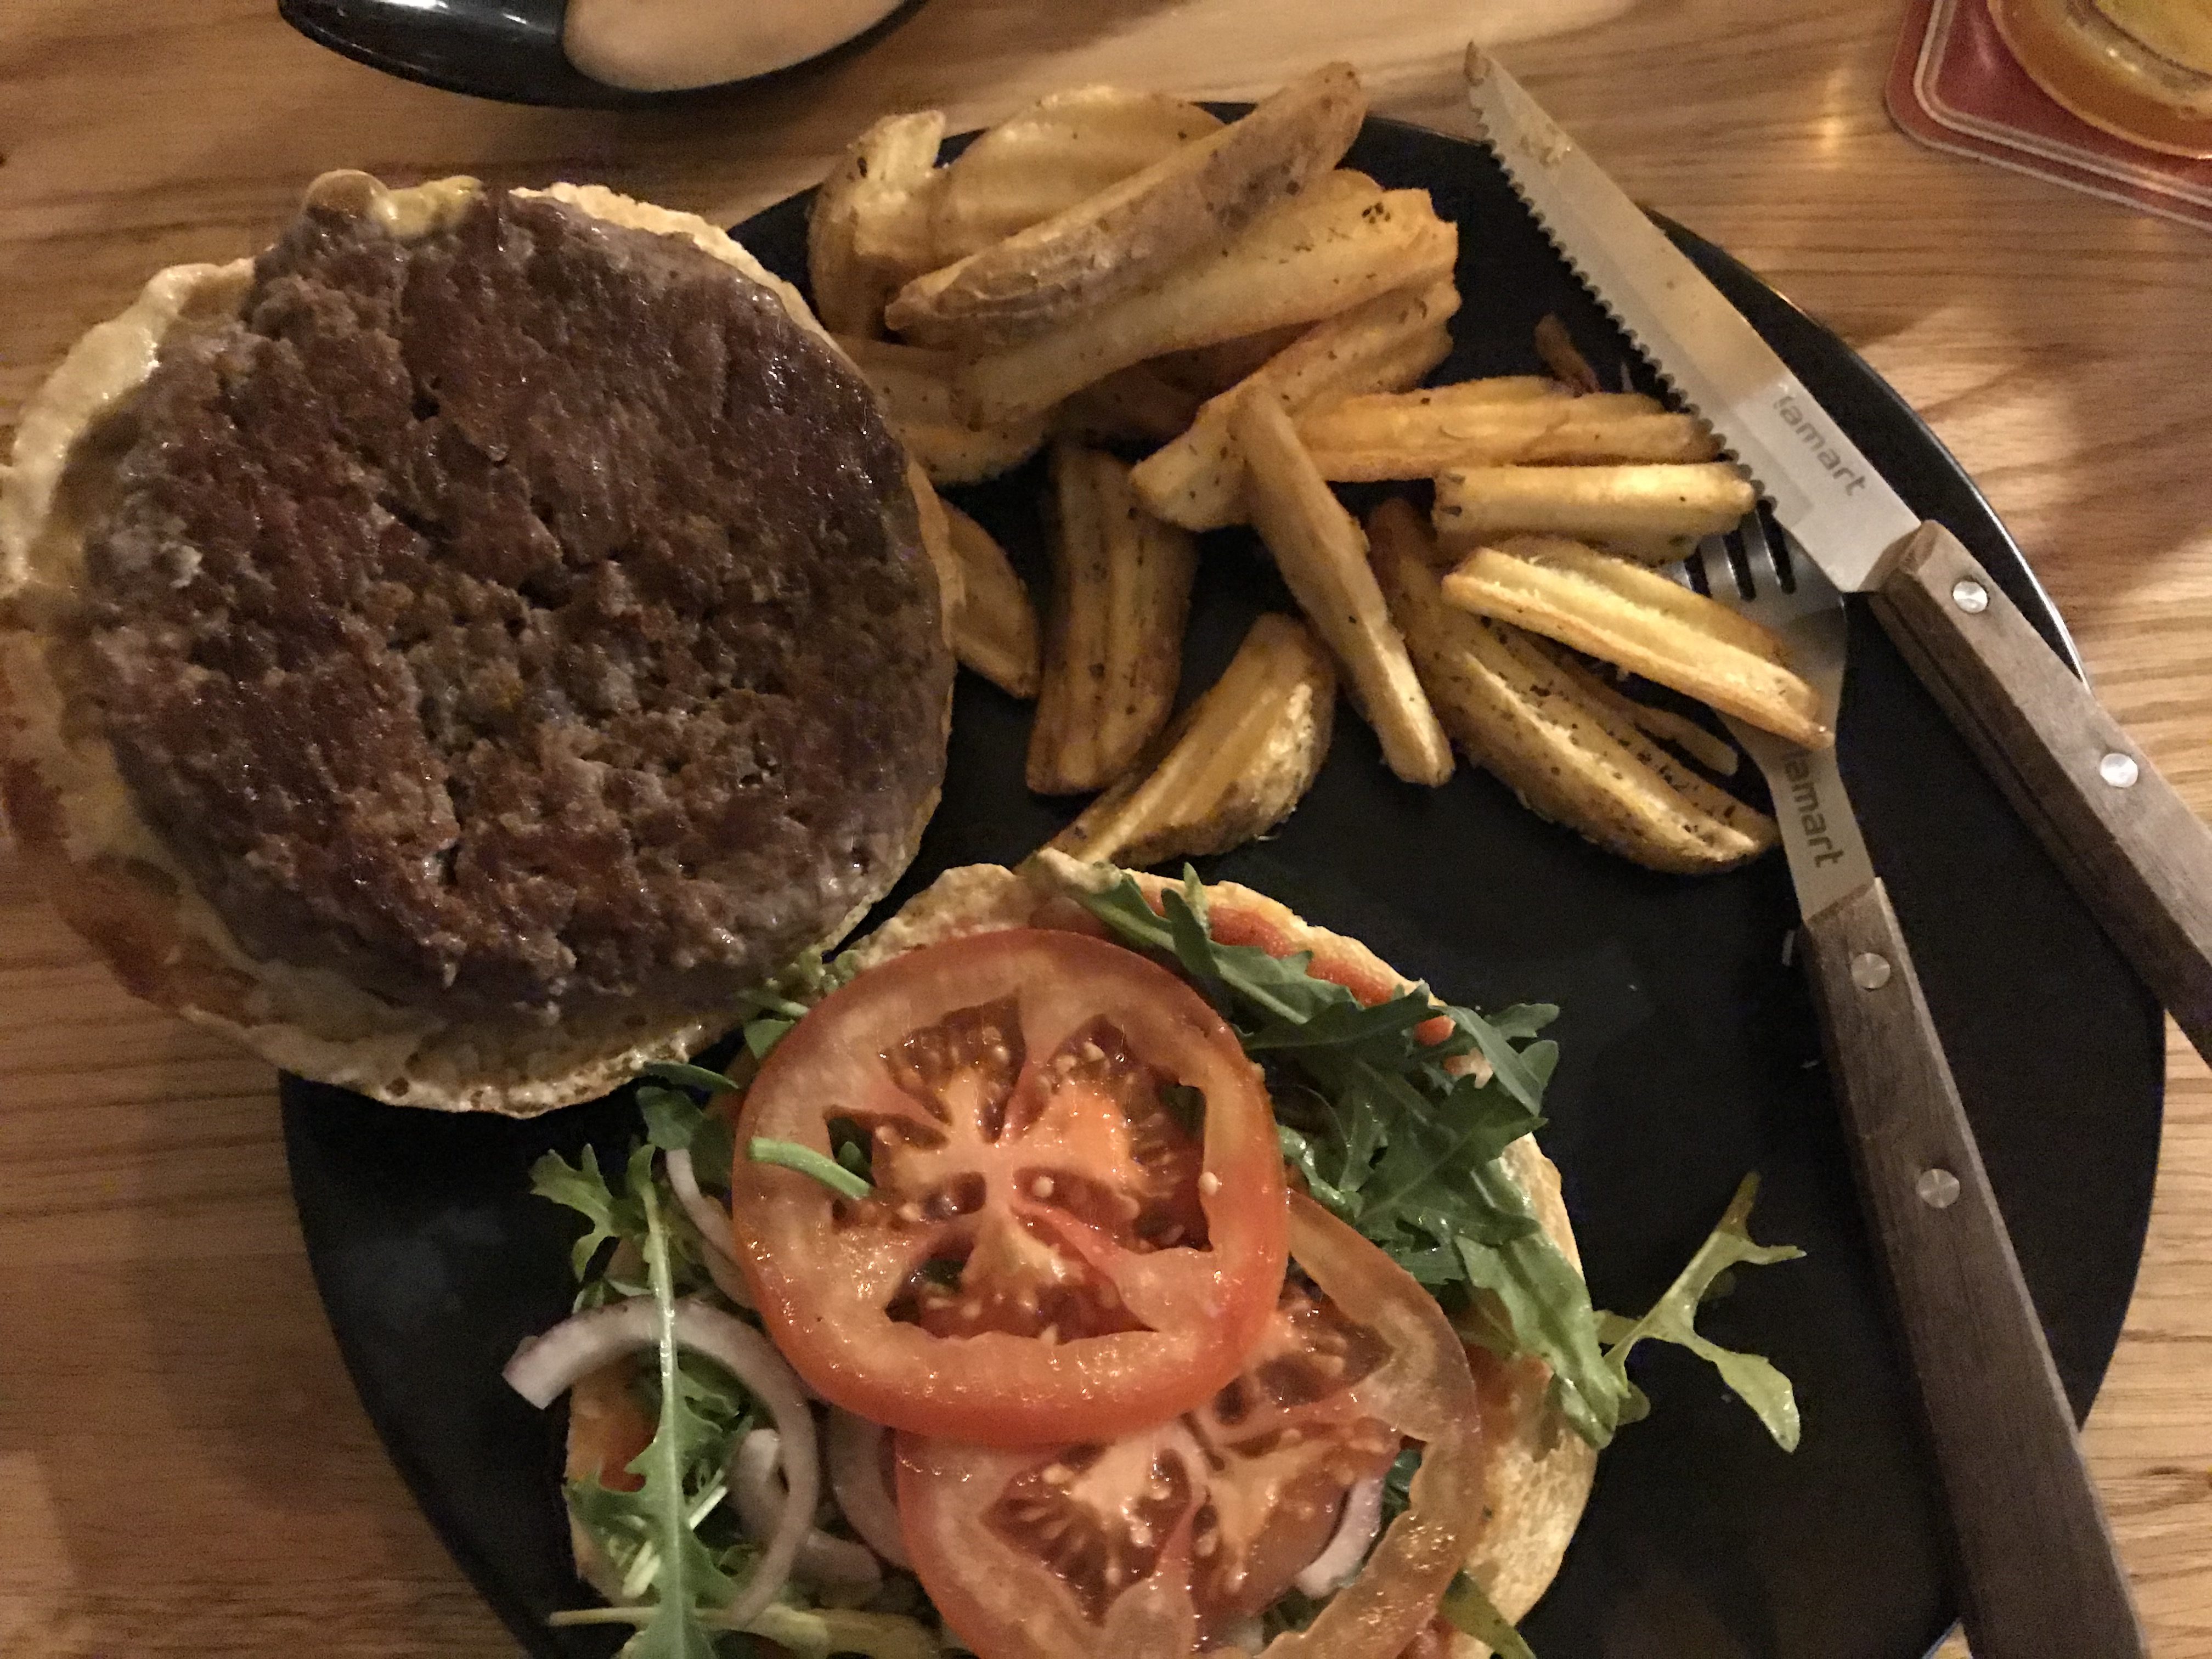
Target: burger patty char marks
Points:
(528, 612)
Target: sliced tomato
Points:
(1157, 1543)
(1055, 1247)
(608, 1429)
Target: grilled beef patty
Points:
(526, 613)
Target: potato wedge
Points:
(1520, 714)
(1208, 371)
(1557, 348)
(1135, 405)
(995, 633)
(1322, 556)
(1372, 438)
(1488, 391)
(915, 385)
(1609, 608)
(1341, 242)
(867, 232)
(1638, 504)
(1113, 648)
(1118, 241)
(1063, 149)
(1198, 479)
(1231, 766)
(936, 543)
(1715, 753)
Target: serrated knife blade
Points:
(1823, 490)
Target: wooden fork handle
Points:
(2039, 1575)
(2139, 857)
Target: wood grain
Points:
(2036, 1570)
(183, 1470)
(2137, 856)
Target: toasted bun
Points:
(122, 885)
(1538, 1471)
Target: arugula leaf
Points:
(692, 1077)
(1547, 1307)
(584, 1190)
(790, 1155)
(671, 1119)
(687, 1574)
(1398, 1483)
(1186, 1106)
(1757, 1382)
(1469, 1610)
(1400, 1137)
(779, 1004)
(676, 1122)
(853, 1146)
(1293, 1610)
(614, 1207)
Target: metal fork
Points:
(2024, 1514)
(1751, 569)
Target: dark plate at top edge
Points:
(509, 51)
(1689, 1055)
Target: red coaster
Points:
(1956, 87)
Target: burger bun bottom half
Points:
(114, 879)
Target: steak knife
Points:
(2139, 859)
(2039, 1573)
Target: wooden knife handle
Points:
(2139, 857)
(2038, 1570)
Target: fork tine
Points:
(1721, 581)
(1763, 556)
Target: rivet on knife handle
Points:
(2140, 859)
(2038, 1570)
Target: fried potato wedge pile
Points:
(1214, 323)
(1549, 731)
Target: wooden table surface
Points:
(183, 1466)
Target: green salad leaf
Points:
(1756, 1380)
(1469, 1610)
(614, 1204)
(614, 1215)
(686, 1574)
(778, 1005)
(693, 1077)
(790, 1155)
(676, 1122)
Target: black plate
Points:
(508, 50)
(1690, 1056)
